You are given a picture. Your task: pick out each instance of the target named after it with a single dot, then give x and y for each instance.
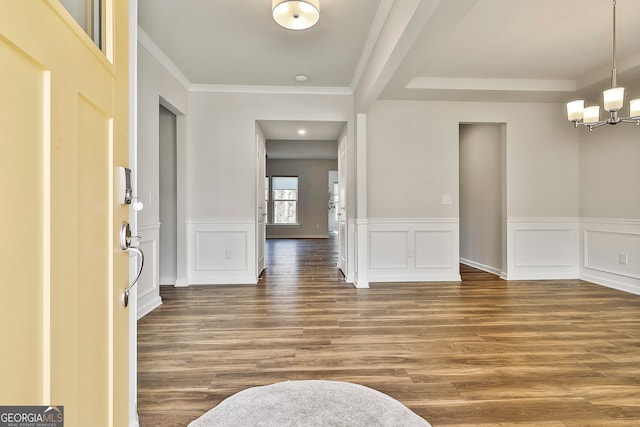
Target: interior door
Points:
(64, 129)
(261, 212)
(342, 203)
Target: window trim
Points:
(273, 199)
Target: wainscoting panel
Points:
(388, 249)
(611, 253)
(148, 284)
(542, 248)
(409, 250)
(434, 249)
(221, 252)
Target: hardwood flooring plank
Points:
(481, 352)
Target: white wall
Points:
(222, 150)
(412, 152)
(610, 203)
(154, 83)
(481, 196)
(554, 175)
(222, 174)
(313, 196)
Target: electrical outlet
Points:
(446, 199)
(623, 259)
(228, 254)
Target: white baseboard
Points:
(483, 267)
(613, 284)
(181, 282)
(221, 279)
(297, 236)
(414, 278)
(149, 306)
(168, 281)
(539, 276)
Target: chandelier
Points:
(613, 100)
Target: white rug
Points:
(308, 404)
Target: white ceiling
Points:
(478, 50)
(313, 130)
(236, 42)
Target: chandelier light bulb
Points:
(575, 109)
(634, 107)
(613, 98)
(591, 114)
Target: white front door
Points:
(63, 132)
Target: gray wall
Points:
(481, 195)
(313, 196)
(167, 201)
(609, 168)
(412, 158)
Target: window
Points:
(88, 13)
(285, 199)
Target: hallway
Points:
(482, 352)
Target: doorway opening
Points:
(304, 194)
(482, 197)
(167, 200)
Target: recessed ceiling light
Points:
(301, 78)
(301, 131)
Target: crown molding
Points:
(454, 83)
(149, 45)
(283, 90)
(162, 58)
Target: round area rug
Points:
(310, 403)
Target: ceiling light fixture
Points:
(613, 100)
(296, 14)
(301, 131)
(301, 78)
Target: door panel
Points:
(93, 271)
(21, 194)
(261, 211)
(342, 213)
(64, 129)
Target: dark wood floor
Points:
(484, 352)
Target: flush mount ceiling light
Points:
(613, 100)
(296, 14)
(301, 132)
(301, 78)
